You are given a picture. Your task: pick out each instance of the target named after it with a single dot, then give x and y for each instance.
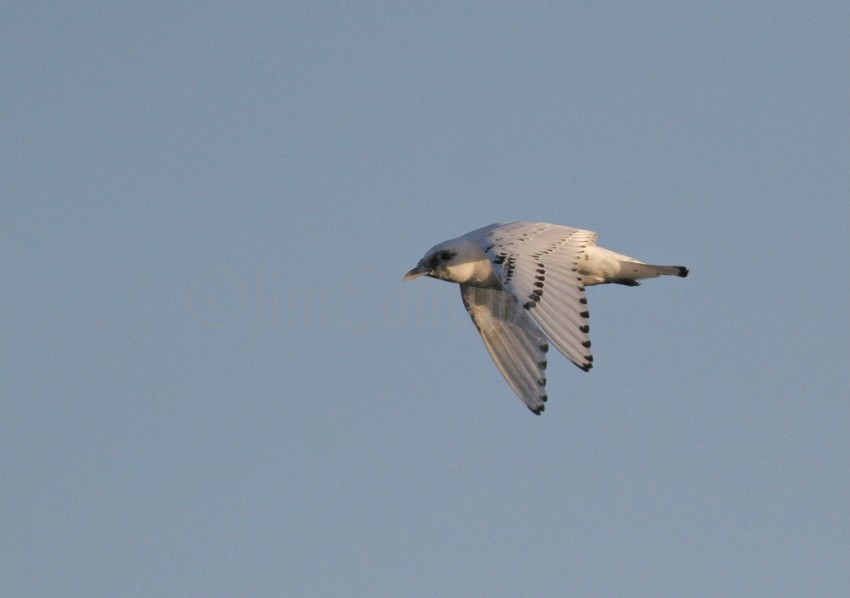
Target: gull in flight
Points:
(523, 286)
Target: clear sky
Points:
(215, 383)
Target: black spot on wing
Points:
(508, 267)
(538, 410)
(536, 294)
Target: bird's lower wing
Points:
(514, 341)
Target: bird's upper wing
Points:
(515, 343)
(537, 263)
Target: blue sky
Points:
(214, 382)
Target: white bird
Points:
(523, 286)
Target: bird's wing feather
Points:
(514, 341)
(537, 263)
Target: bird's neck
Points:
(472, 267)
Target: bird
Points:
(523, 285)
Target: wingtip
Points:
(683, 272)
(541, 408)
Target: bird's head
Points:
(458, 260)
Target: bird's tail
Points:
(631, 272)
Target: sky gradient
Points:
(215, 383)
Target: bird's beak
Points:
(418, 271)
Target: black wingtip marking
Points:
(541, 409)
(586, 344)
(542, 364)
(584, 328)
(542, 382)
(589, 358)
(586, 366)
(683, 272)
(583, 300)
(585, 314)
